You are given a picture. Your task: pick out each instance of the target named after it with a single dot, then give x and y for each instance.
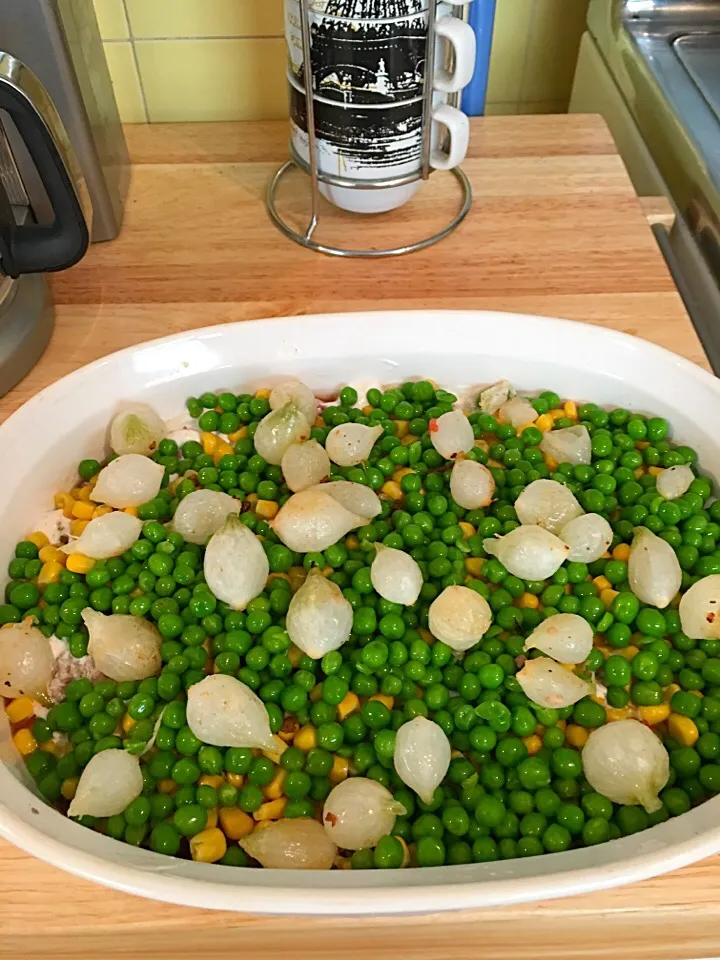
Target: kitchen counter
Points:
(556, 229)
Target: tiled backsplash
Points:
(225, 59)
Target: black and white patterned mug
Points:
(374, 51)
(375, 142)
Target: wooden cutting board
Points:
(556, 229)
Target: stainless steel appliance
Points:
(33, 241)
(60, 41)
(652, 67)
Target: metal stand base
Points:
(305, 239)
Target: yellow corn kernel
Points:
(607, 597)
(127, 723)
(25, 742)
(274, 790)
(617, 713)
(102, 510)
(544, 422)
(407, 440)
(467, 528)
(482, 445)
(50, 573)
(316, 693)
(340, 769)
(131, 511)
(348, 705)
(550, 462)
(64, 502)
(621, 552)
(238, 435)
(557, 414)
(263, 393)
(681, 728)
(570, 409)
(77, 527)
(49, 747)
(236, 780)
(602, 583)
(289, 728)
(639, 472)
(401, 428)
(79, 563)
(367, 410)
(402, 472)
(267, 509)
(82, 510)
(39, 539)
(83, 493)
(426, 635)
(223, 449)
(235, 823)
(474, 566)
(406, 853)
(670, 690)
(305, 738)
(208, 846)
(68, 787)
(655, 471)
(20, 709)
(575, 735)
(295, 654)
(275, 755)
(297, 576)
(352, 542)
(533, 744)
(261, 824)
(209, 442)
(212, 818)
(272, 810)
(48, 553)
(211, 780)
(654, 715)
(628, 652)
(529, 601)
(167, 786)
(387, 701)
(392, 490)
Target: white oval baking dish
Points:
(44, 440)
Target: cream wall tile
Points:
(544, 106)
(500, 109)
(557, 28)
(507, 62)
(150, 19)
(213, 79)
(111, 19)
(125, 81)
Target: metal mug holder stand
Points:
(306, 237)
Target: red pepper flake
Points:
(433, 426)
(331, 818)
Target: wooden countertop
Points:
(556, 229)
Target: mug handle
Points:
(461, 37)
(458, 126)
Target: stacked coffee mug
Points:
(368, 81)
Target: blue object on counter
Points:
(481, 18)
